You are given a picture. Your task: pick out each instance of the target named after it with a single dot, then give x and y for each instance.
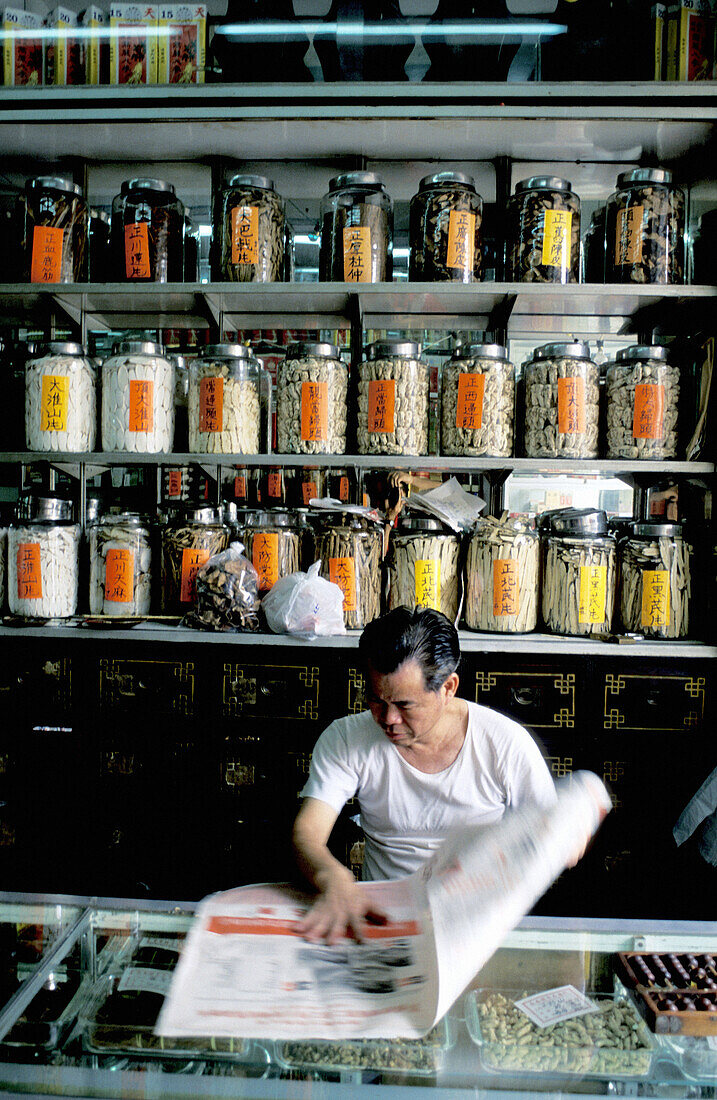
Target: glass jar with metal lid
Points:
(228, 401)
(579, 572)
(306, 484)
(424, 565)
(349, 546)
(655, 580)
(249, 230)
(645, 232)
(272, 542)
(544, 232)
(502, 575)
(43, 561)
(446, 243)
(99, 247)
(562, 388)
(148, 232)
(643, 398)
(56, 231)
(393, 399)
(356, 230)
(60, 399)
(478, 402)
(138, 399)
(311, 401)
(120, 566)
(188, 541)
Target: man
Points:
(420, 761)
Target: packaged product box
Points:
(63, 61)
(659, 29)
(133, 44)
(690, 40)
(96, 46)
(22, 55)
(182, 43)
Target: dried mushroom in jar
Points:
(645, 233)
(349, 549)
(655, 581)
(356, 230)
(502, 569)
(445, 230)
(393, 400)
(562, 387)
(424, 566)
(544, 232)
(643, 397)
(250, 230)
(478, 402)
(56, 231)
(311, 403)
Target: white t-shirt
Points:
(406, 813)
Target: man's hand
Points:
(341, 909)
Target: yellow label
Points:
(556, 238)
(357, 254)
(53, 408)
(628, 235)
(655, 598)
(461, 240)
(428, 583)
(593, 588)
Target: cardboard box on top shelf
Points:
(23, 54)
(182, 43)
(63, 55)
(690, 40)
(659, 26)
(96, 47)
(133, 44)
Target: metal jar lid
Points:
(637, 176)
(247, 180)
(355, 179)
(99, 216)
(127, 519)
(657, 530)
(440, 179)
(642, 351)
(278, 518)
(60, 347)
(543, 183)
(578, 522)
(43, 509)
(481, 351)
(145, 183)
(54, 183)
(410, 349)
(228, 351)
(306, 348)
(409, 523)
(560, 351)
(137, 347)
(202, 514)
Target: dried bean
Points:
(399, 1054)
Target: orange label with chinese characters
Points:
(381, 405)
(265, 558)
(245, 235)
(273, 487)
(308, 491)
(192, 562)
(211, 404)
(505, 587)
(175, 483)
(29, 571)
(314, 412)
(342, 571)
(46, 264)
(461, 240)
(628, 236)
(571, 406)
(240, 486)
(141, 406)
(344, 489)
(136, 251)
(357, 254)
(119, 576)
(469, 411)
(648, 417)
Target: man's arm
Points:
(341, 904)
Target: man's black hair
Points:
(421, 635)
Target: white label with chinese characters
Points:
(162, 942)
(553, 1005)
(146, 980)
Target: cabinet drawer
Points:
(543, 700)
(653, 701)
(289, 692)
(147, 687)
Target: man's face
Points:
(403, 707)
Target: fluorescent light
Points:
(381, 31)
(83, 32)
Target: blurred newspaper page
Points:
(246, 971)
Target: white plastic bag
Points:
(305, 604)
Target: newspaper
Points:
(246, 971)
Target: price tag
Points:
(46, 263)
(461, 240)
(174, 483)
(136, 251)
(141, 406)
(119, 576)
(505, 587)
(211, 404)
(273, 488)
(655, 598)
(342, 571)
(192, 562)
(593, 588)
(628, 236)
(245, 235)
(381, 405)
(54, 402)
(427, 577)
(240, 486)
(344, 489)
(571, 406)
(314, 412)
(649, 414)
(556, 238)
(265, 558)
(357, 254)
(469, 411)
(145, 979)
(553, 1005)
(29, 571)
(308, 491)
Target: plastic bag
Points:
(227, 593)
(305, 604)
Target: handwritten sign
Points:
(174, 488)
(119, 576)
(427, 578)
(344, 488)
(309, 491)
(273, 485)
(628, 235)
(54, 401)
(461, 241)
(655, 599)
(648, 421)
(46, 263)
(591, 598)
(556, 238)
(571, 406)
(192, 562)
(141, 406)
(314, 412)
(505, 587)
(211, 404)
(469, 410)
(381, 405)
(240, 486)
(136, 251)
(342, 571)
(245, 235)
(29, 571)
(265, 558)
(357, 254)
(553, 1005)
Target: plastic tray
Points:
(421, 1057)
(694, 1054)
(568, 1049)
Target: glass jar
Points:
(502, 576)
(43, 561)
(138, 399)
(478, 402)
(646, 229)
(99, 247)
(228, 399)
(393, 399)
(120, 566)
(643, 397)
(311, 400)
(594, 248)
(445, 230)
(60, 402)
(424, 566)
(249, 229)
(544, 232)
(655, 581)
(271, 487)
(562, 388)
(341, 485)
(305, 485)
(187, 543)
(579, 573)
(350, 547)
(179, 484)
(356, 231)
(272, 542)
(148, 232)
(56, 230)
